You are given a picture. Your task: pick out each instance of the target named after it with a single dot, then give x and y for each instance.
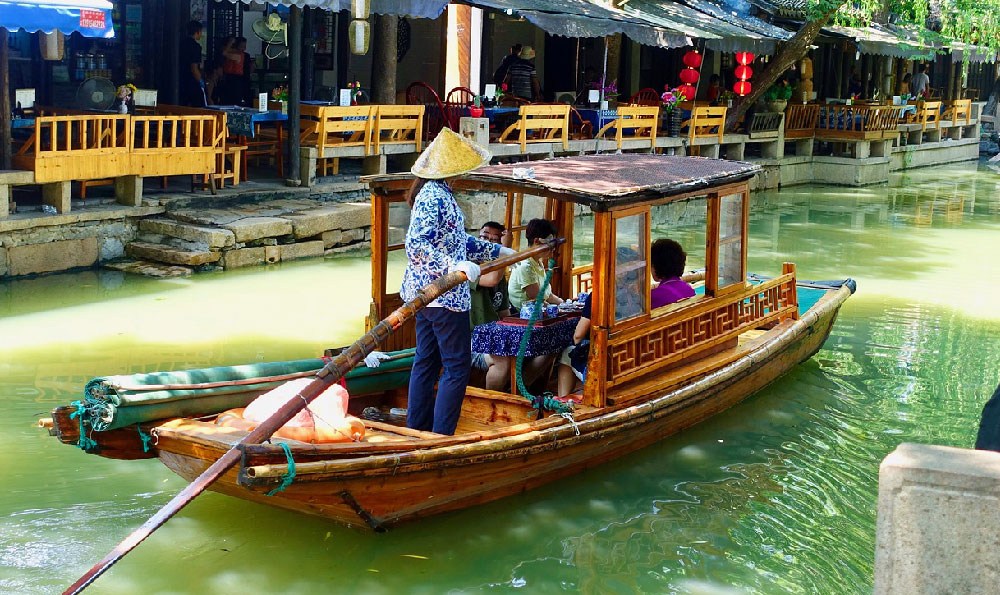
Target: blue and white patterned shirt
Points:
(435, 241)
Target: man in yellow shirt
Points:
(528, 276)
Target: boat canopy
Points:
(603, 182)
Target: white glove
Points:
(374, 359)
(470, 269)
(505, 251)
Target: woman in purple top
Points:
(668, 265)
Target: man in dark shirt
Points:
(191, 89)
(522, 78)
(501, 72)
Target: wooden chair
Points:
(578, 127)
(647, 97)
(641, 119)
(435, 115)
(540, 124)
(929, 116)
(513, 101)
(705, 122)
(972, 93)
(958, 111)
(460, 96)
(401, 124)
(336, 126)
(227, 166)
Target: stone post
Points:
(938, 530)
(57, 194)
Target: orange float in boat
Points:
(325, 420)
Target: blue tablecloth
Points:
(240, 120)
(22, 123)
(504, 339)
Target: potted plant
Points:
(280, 93)
(671, 99)
(355, 88)
(727, 98)
(476, 109)
(609, 93)
(776, 97)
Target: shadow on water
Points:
(775, 495)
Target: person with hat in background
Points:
(436, 244)
(522, 78)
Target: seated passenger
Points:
(573, 361)
(628, 284)
(527, 276)
(490, 303)
(668, 265)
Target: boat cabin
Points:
(635, 351)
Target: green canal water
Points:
(776, 495)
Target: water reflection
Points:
(777, 495)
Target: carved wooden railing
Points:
(583, 279)
(861, 122)
(800, 120)
(765, 125)
(175, 145)
(76, 147)
(698, 327)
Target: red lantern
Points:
(744, 73)
(742, 88)
(744, 58)
(687, 91)
(689, 76)
(692, 59)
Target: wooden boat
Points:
(650, 373)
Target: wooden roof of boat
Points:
(606, 181)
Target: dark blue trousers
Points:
(443, 338)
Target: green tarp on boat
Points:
(112, 402)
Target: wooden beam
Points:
(294, 91)
(5, 134)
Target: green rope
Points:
(546, 400)
(84, 443)
(146, 438)
(286, 479)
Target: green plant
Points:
(779, 92)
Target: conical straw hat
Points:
(449, 155)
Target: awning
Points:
(881, 42)
(706, 22)
(580, 18)
(417, 9)
(972, 53)
(90, 18)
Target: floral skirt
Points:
(504, 339)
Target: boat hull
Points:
(401, 489)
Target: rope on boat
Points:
(545, 400)
(146, 438)
(84, 443)
(286, 479)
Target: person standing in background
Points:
(191, 85)
(501, 72)
(522, 78)
(920, 83)
(238, 66)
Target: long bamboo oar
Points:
(330, 374)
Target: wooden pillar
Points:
(5, 134)
(837, 66)
(384, 59)
(865, 74)
(614, 56)
(308, 53)
(294, 91)
(845, 73)
(596, 383)
(949, 87)
(175, 30)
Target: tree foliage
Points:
(937, 23)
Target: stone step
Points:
(149, 269)
(169, 254)
(213, 237)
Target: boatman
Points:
(436, 244)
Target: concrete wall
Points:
(938, 528)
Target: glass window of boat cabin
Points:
(729, 235)
(683, 221)
(631, 263)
